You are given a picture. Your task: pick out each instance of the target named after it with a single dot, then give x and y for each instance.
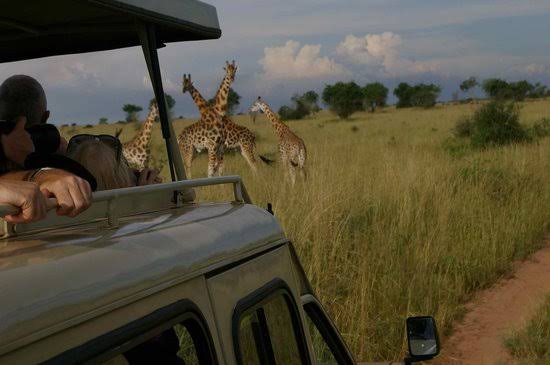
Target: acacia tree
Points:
(403, 92)
(132, 112)
(423, 95)
(311, 100)
(375, 95)
(170, 102)
(501, 89)
(233, 101)
(344, 99)
(468, 85)
(302, 106)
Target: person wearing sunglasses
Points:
(23, 108)
(102, 156)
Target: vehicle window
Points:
(281, 332)
(182, 344)
(327, 344)
(249, 347)
(323, 354)
(269, 333)
(176, 334)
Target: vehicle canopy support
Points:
(149, 45)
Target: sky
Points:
(291, 46)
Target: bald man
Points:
(22, 95)
(23, 102)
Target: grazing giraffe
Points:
(237, 136)
(209, 132)
(137, 150)
(291, 147)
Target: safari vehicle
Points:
(146, 275)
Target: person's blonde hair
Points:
(100, 159)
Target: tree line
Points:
(346, 98)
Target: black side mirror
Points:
(422, 338)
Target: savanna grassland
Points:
(395, 219)
(530, 345)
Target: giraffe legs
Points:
(303, 173)
(219, 167)
(188, 159)
(213, 163)
(248, 154)
(292, 173)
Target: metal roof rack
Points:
(106, 210)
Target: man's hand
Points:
(73, 194)
(148, 177)
(17, 145)
(27, 197)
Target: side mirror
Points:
(422, 338)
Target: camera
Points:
(45, 137)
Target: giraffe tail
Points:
(266, 160)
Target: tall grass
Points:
(389, 224)
(531, 344)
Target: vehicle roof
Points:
(56, 279)
(38, 28)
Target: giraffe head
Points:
(258, 106)
(153, 111)
(230, 70)
(187, 83)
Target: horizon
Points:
(287, 48)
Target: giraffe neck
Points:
(199, 100)
(144, 135)
(222, 95)
(279, 126)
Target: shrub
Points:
(497, 123)
(541, 128)
(463, 128)
(103, 120)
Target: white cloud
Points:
(381, 51)
(292, 62)
(536, 69)
(168, 84)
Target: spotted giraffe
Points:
(291, 147)
(137, 150)
(209, 132)
(237, 136)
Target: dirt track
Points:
(477, 339)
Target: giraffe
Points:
(291, 147)
(137, 150)
(209, 131)
(237, 136)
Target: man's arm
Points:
(27, 197)
(72, 193)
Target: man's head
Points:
(21, 95)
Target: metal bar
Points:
(148, 38)
(18, 25)
(109, 195)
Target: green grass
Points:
(391, 222)
(531, 345)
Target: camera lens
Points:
(45, 137)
